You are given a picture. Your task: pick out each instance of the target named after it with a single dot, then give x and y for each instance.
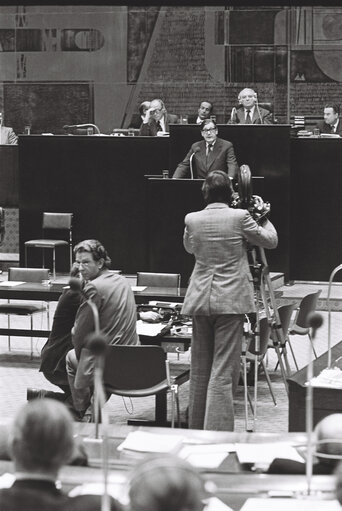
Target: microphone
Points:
(315, 321)
(96, 343)
(258, 110)
(233, 114)
(191, 157)
(75, 126)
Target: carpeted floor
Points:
(17, 372)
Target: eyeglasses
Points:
(208, 130)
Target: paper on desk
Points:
(331, 378)
(208, 456)
(150, 442)
(6, 480)
(116, 488)
(265, 453)
(11, 283)
(290, 505)
(215, 504)
(138, 288)
(150, 329)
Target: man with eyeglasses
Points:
(212, 153)
(114, 299)
(156, 120)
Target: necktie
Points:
(209, 148)
(159, 128)
(248, 117)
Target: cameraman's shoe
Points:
(41, 393)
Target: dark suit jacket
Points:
(192, 119)
(264, 118)
(325, 128)
(150, 129)
(59, 342)
(35, 495)
(222, 157)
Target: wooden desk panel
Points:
(100, 180)
(325, 401)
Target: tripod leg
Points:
(269, 383)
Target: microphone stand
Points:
(258, 110)
(331, 278)
(191, 169)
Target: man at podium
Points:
(212, 153)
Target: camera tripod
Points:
(264, 296)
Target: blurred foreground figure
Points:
(165, 483)
(42, 441)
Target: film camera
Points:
(244, 198)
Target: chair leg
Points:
(269, 383)
(54, 263)
(293, 355)
(9, 337)
(48, 314)
(31, 317)
(173, 397)
(312, 345)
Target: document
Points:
(141, 441)
(11, 283)
(206, 456)
(149, 329)
(138, 288)
(266, 452)
(290, 505)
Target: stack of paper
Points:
(139, 441)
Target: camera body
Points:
(243, 198)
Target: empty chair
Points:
(25, 275)
(61, 222)
(285, 314)
(140, 371)
(158, 279)
(252, 351)
(300, 324)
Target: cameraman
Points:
(219, 294)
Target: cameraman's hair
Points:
(207, 121)
(217, 187)
(95, 248)
(335, 107)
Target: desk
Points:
(325, 401)
(232, 483)
(37, 291)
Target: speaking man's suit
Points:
(7, 136)
(220, 292)
(150, 129)
(326, 128)
(265, 116)
(222, 157)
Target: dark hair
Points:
(95, 248)
(210, 103)
(336, 108)
(217, 187)
(207, 121)
(144, 105)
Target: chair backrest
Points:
(57, 221)
(264, 337)
(28, 274)
(285, 313)
(307, 305)
(158, 279)
(133, 367)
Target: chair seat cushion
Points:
(45, 243)
(150, 391)
(20, 310)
